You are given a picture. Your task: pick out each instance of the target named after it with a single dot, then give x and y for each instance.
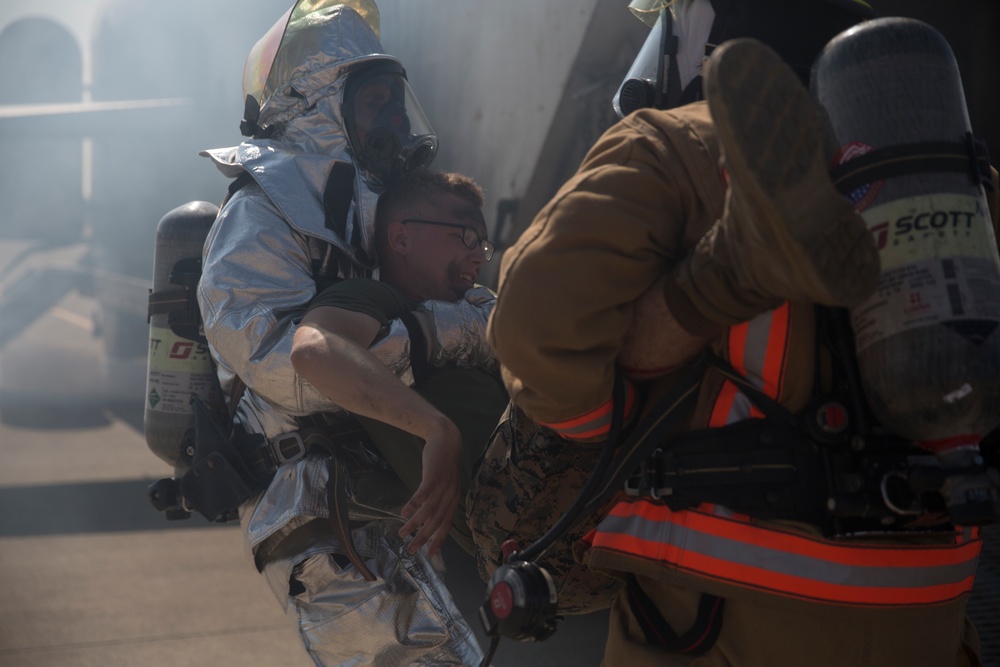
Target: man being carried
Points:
(431, 242)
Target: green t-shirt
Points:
(364, 295)
(472, 398)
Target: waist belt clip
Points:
(647, 479)
(633, 483)
(287, 448)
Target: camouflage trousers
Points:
(528, 478)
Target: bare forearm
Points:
(354, 379)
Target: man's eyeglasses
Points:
(470, 237)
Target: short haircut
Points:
(420, 185)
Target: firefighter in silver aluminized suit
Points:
(321, 146)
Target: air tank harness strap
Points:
(756, 467)
(180, 304)
(419, 351)
(337, 500)
(970, 157)
(264, 457)
(328, 435)
(767, 468)
(698, 639)
(219, 479)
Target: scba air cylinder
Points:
(179, 364)
(927, 340)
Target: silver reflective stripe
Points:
(754, 358)
(740, 408)
(755, 350)
(692, 541)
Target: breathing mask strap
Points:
(337, 197)
(717, 34)
(668, 85)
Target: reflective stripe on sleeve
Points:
(714, 543)
(593, 424)
(758, 350)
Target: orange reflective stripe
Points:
(718, 520)
(595, 423)
(758, 350)
(804, 588)
(713, 543)
(732, 405)
(738, 347)
(723, 405)
(776, 355)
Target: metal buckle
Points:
(643, 482)
(633, 484)
(652, 470)
(288, 447)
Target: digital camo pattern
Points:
(528, 478)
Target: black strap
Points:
(699, 638)
(669, 91)
(765, 467)
(649, 433)
(970, 156)
(337, 197)
(168, 301)
(419, 351)
(180, 305)
(219, 479)
(236, 185)
(769, 406)
(251, 113)
(336, 495)
(755, 466)
(236, 392)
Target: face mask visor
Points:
(648, 82)
(387, 129)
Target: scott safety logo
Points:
(922, 225)
(880, 232)
(181, 350)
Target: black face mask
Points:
(396, 138)
(384, 141)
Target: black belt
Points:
(327, 433)
(772, 470)
(264, 457)
(756, 466)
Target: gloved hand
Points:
(455, 332)
(458, 331)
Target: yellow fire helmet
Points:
(258, 69)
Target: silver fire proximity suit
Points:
(258, 277)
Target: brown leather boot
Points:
(786, 233)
